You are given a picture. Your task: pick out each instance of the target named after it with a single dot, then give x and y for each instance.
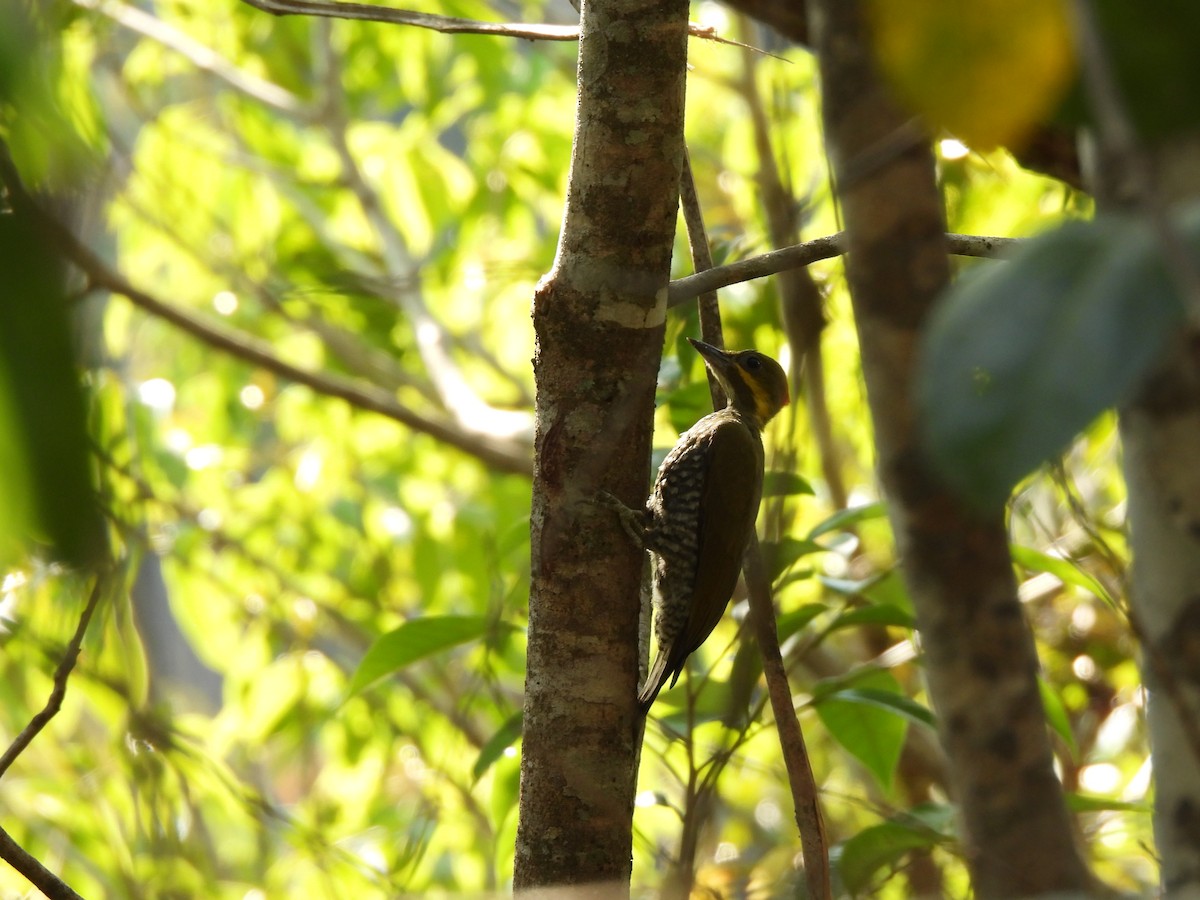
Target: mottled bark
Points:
(979, 654)
(598, 318)
(1160, 431)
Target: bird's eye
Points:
(752, 363)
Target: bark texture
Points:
(1160, 432)
(598, 318)
(979, 653)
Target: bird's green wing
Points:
(728, 508)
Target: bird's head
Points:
(756, 385)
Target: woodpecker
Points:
(701, 513)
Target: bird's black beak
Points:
(716, 358)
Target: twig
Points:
(401, 270)
(59, 689)
(813, 841)
(800, 298)
(683, 289)
(501, 454)
(201, 56)
(762, 612)
(29, 866)
(450, 24)
(444, 24)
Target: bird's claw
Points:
(632, 521)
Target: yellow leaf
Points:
(988, 71)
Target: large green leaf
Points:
(1022, 355)
(870, 731)
(886, 844)
(875, 848)
(415, 640)
(43, 430)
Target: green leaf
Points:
(412, 641)
(505, 737)
(779, 483)
(896, 703)
(793, 621)
(781, 555)
(871, 732)
(883, 614)
(48, 494)
(688, 405)
(1021, 356)
(847, 518)
(1149, 55)
(1063, 569)
(877, 847)
(1056, 714)
(1090, 803)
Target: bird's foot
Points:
(632, 520)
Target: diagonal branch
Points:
(401, 270)
(444, 24)
(813, 842)
(29, 866)
(499, 453)
(683, 289)
(199, 55)
(59, 689)
(448, 24)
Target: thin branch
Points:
(813, 841)
(444, 24)
(201, 56)
(450, 24)
(29, 866)
(800, 298)
(499, 453)
(59, 690)
(460, 399)
(683, 289)
(803, 786)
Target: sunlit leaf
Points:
(778, 483)
(848, 518)
(889, 700)
(1083, 803)
(863, 856)
(860, 859)
(781, 555)
(872, 732)
(506, 735)
(795, 620)
(956, 63)
(881, 614)
(1064, 569)
(415, 640)
(1056, 713)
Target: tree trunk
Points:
(1160, 433)
(598, 318)
(979, 653)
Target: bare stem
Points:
(59, 689)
